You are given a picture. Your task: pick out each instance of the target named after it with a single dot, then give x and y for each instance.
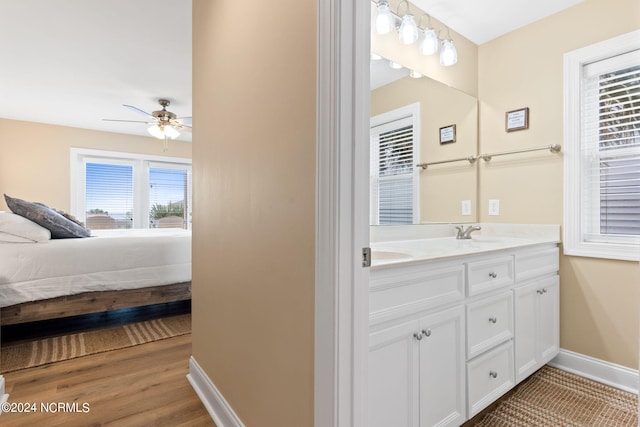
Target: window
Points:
(393, 174)
(602, 149)
(122, 190)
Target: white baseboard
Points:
(219, 409)
(597, 370)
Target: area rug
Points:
(49, 350)
(552, 397)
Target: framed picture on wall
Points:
(448, 134)
(517, 119)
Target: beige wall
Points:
(442, 187)
(34, 164)
(254, 206)
(463, 75)
(599, 298)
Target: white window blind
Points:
(169, 196)
(392, 172)
(611, 149)
(602, 149)
(109, 195)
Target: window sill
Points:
(603, 250)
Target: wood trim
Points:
(93, 302)
(213, 401)
(342, 213)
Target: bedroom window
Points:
(393, 175)
(113, 190)
(602, 149)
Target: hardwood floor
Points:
(144, 385)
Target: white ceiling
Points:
(75, 62)
(484, 20)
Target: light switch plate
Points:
(494, 207)
(466, 207)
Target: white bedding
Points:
(112, 260)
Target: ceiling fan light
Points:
(408, 31)
(155, 131)
(171, 132)
(384, 19)
(448, 54)
(430, 43)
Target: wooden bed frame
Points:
(93, 302)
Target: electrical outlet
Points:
(466, 207)
(494, 207)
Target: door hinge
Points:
(366, 257)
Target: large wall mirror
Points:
(434, 123)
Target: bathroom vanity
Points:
(454, 324)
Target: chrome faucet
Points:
(466, 234)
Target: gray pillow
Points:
(59, 226)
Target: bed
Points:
(112, 269)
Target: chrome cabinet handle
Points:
(540, 291)
(493, 274)
(426, 332)
(493, 319)
(417, 336)
(493, 374)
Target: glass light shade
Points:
(394, 65)
(408, 31)
(384, 19)
(171, 132)
(448, 54)
(160, 132)
(430, 43)
(415, 74)
(155, 131)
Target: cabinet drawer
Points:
(489, 274)
(489, 376)
(413, 289)
(489, 322)
(536, 263)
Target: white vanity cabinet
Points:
(448, 337)
(416, 375)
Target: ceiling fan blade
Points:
(136, 109)
(185, 119)
(186, 129)
(128, 121)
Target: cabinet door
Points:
(442, 373)
(526, 329)
(549, 319)
(537, 329)
(394, 375)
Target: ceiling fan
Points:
(164, 124)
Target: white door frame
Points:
(342, 213)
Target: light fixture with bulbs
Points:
(409, 32)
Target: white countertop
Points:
(492, 238)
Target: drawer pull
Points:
(426, 332)
(417, 336)
(542, 291)
(493, 274)
(493, 374)
(493, 319)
